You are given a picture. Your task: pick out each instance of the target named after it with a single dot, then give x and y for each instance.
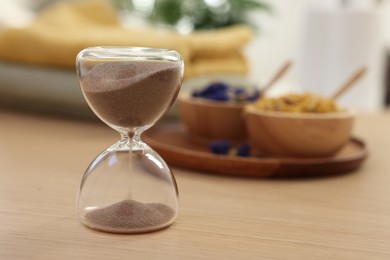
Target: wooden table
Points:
(42, 160)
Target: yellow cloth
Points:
(61, 31)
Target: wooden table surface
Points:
(42, 160)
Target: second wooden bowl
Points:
(286, 134)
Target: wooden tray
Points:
(177, 148)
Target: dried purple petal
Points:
(243, 150)
(220, 147)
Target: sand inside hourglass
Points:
(131, 93)
(131, 215)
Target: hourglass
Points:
(128, 188)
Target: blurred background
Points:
(326, 40)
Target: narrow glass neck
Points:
(130, 136)
(130, 140)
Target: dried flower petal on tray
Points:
(243, 150)
(220, 147)
(224, 147)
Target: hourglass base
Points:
(130, 216)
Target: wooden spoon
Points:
(277, 76)
(350, 82)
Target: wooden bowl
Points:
(285, 134)
(211, 119)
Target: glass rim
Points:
(128, 52)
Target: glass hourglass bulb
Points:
(128, 188)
